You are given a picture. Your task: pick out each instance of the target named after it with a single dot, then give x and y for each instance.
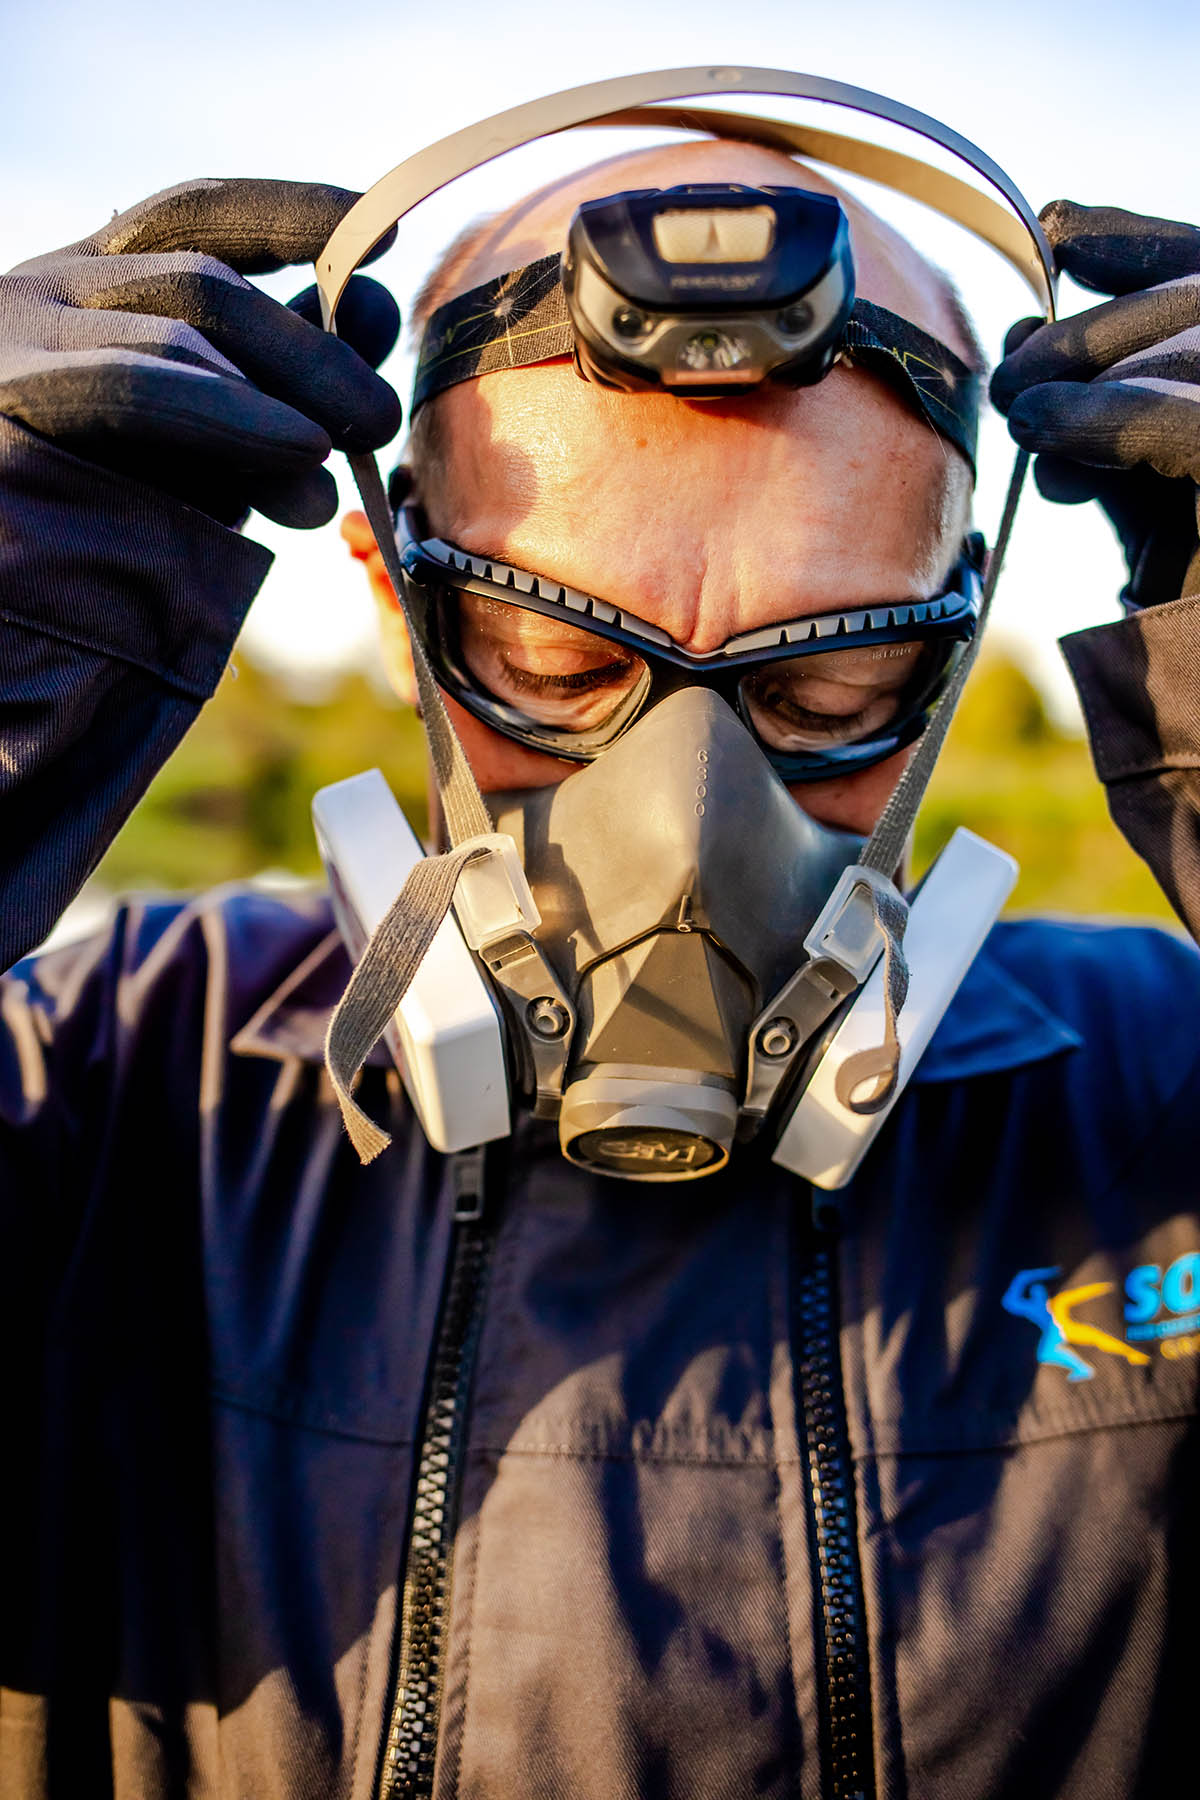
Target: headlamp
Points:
(709, 288)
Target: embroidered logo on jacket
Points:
(1062, 1334)
(1162, 1305)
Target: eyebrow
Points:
(799, 628)
(503, 558)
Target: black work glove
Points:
(142, 348)
(1110, 399)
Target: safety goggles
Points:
(567, 673)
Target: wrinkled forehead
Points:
(890, 271)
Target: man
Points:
(552, 473)
(707, 1502)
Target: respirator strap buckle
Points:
(541, 1011)
(784, 1030)
(863, 916)
(498, 916)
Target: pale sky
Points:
(105, 104)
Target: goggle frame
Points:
(947, 619)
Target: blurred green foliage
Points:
(234, 799)
(1021, 781)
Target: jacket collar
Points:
(292, 1021)
(995, 1022)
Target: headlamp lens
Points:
(717, 235)
(709, 350)
(628, 322)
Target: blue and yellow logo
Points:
(1162, 1304)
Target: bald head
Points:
(889, 270)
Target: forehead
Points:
(703, 518)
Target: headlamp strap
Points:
(521, 317)
(515, 319)
(928, 374)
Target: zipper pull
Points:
(826, 1212)
(467, 1184)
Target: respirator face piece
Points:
(675, 877)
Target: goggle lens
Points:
(543, 671)
(549, 672)
(526, 668)
(833, 697)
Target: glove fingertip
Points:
(1027, 409)
(368, 318)
(1110, 250)
(301, 502)
(1064, 482)
(1019, 333)
(1060, 219)
(1006, 382)
(1038, 416)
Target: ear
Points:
(393, 634)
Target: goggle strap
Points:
(885, 846)
(462, 804)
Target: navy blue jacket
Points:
(218, 1333)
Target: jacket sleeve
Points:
(1139, 682)
(119, 608)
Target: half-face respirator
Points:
(663, 952)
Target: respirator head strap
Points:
(884, 849)
(1010, 228)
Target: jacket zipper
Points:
(844, 1678)
(410, 1749)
